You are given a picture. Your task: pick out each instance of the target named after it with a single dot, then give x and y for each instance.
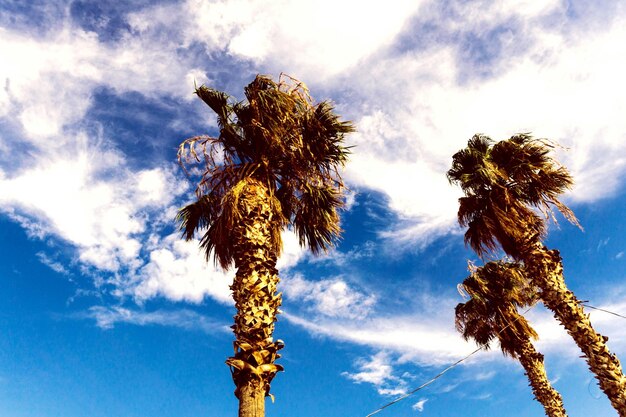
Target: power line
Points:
(425, 384)
(601, 309)
(430, 381)
(433, 379)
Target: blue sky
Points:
(104, 311)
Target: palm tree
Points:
(496, 292)
(274, 165)
(503, 183)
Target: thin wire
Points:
(601, 309)
(606, 311)
(427, 383)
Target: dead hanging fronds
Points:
(293, 86)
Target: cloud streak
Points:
(415, 102)
(108, 317)
(378, 371)
(332, 298)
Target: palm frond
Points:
(496, 292)
(279, 137)
(316, 221)
(469, 164)
(218, 102)
(195, 216)
(534, 176)
(505, 185)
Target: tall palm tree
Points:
(496, 292)
(274, 165)
(503, 183)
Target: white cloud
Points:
(554, 340)
(482, 15)
(412, 120)
(313, 39)
(87, 194)
(484, 376)
(481, 397)
(418, 339)
(378, 371)
(411, 105)
(419, 406)
(48, 82)
(177, 270)
(365, 250)
(330, 297)
(65, 195)
(52, 264)
(429, 338)
(31, 75)
(108, 317)
(292, 252)
(112, 215)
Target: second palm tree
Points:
(503, 183)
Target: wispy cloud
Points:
(419, 406)
(330, 297)
(481, 397)
(52, 264)
(410, 121)
(420, 340)
(484, 376)
(108, 317)
(554, 340)
(340, 258)
(378, 371)
(276, 34)
(416, 338)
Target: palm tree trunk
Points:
(254, 292)
(251, 400)
(546, 270)
(532, 361)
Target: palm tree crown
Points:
(279, 138)
(496, 291)
(502, 183)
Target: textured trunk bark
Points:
(252, 400)
(532, 361)
(546, 270)
(256, 300)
